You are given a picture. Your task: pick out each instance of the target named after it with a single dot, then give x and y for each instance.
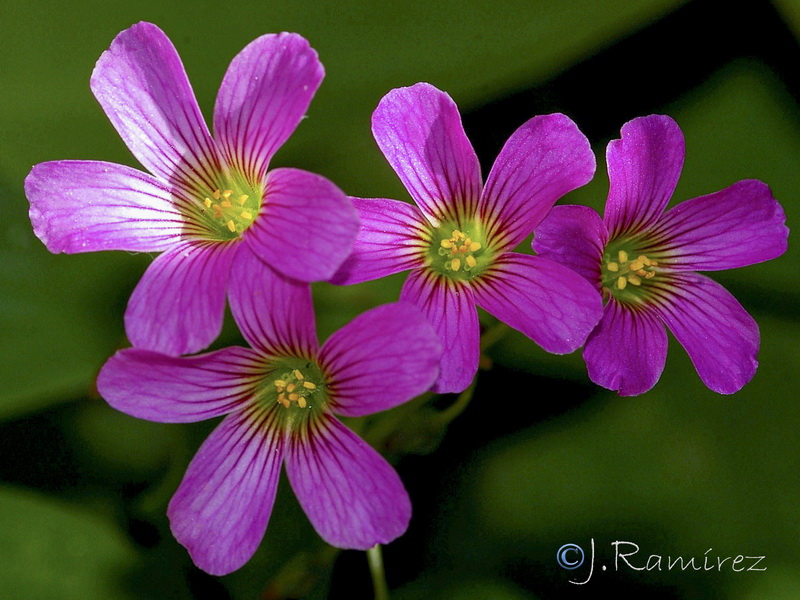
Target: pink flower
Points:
(644, 261)
(210, 202)
(280, 398)
(458, 239)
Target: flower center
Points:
(459, 252)
(225, 212)
(293, 388)
(625, 271)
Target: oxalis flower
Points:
(280, 397)
(457, 240)
(644, 261)
(209, 202)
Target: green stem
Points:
(375, 559)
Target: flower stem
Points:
(375, 559)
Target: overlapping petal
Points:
(643, 170)
(142, 86)
(389, 241)
(274, 313)
(574, 236)
(450, 308)
(628, 349)
(306, 227)
(721, 338)
(735, 227)
(381, 359)
(419, 131)
(165, 389)
(177, 306)
(84, 206)
(221, 508)
(352, 496)
(544, 159)
(548, 302)
(264, 94)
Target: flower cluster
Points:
(231, 231)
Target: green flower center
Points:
(626, 272)
(228, 210)
(296, 387)
(459, 252)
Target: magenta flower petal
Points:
(628, 350)
(307, 225)
(222, 506)
(548, 302)
(643, 170)
(450, 308)
(720, 336)
(177, 306)
(574, 236)
(380, 359)
(266, 91)
(84, 206)
(160, 388)
(142, 86)
(735, 227)
(274, 313)
(388, 242)
(352, 496)
(419, 131)
(543, 160)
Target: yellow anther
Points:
(471, 262)
(301, 402)
(246, 215)
(242, 199)
(621, 283)
(653, 263)
(623, 256)
(280, 383)
(613, 267)
(649, 274)
(467, 243)
(446, 244)
(457, 235)
(291, 387)
(645, 260)
(231, 226)
(637, 264)
(634, 280)
(309, 386)
(216, 194)
(227, 193)
(298, 375)
(282, 400)
(474, 246)
(208, 202)
(294, 396)
(455, 264)
(226, 204)
(641, 273)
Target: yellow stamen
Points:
(208, 202)
(637, 264)
(226, 203)
(455, 264)
(446, 244)
(641, 273)
(227, 193)
(280, 383)
(291, 387)
(471, 262)
(298, 374)
(634, 280)
(645, 260)
(231, 226)
(242, 199)
(621, 283)
(653, 263)
(309, 386)
(623, 256)
(612, 266)
(649, 274)
(282, 400)
(474, 246)
(301, 402)
(246, 215)
(216, 194)
(294, 396)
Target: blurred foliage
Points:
(540, 458)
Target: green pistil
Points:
(627, 272)
(459, 252)
(231, 208)
(295, 388)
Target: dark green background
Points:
(541, 457)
